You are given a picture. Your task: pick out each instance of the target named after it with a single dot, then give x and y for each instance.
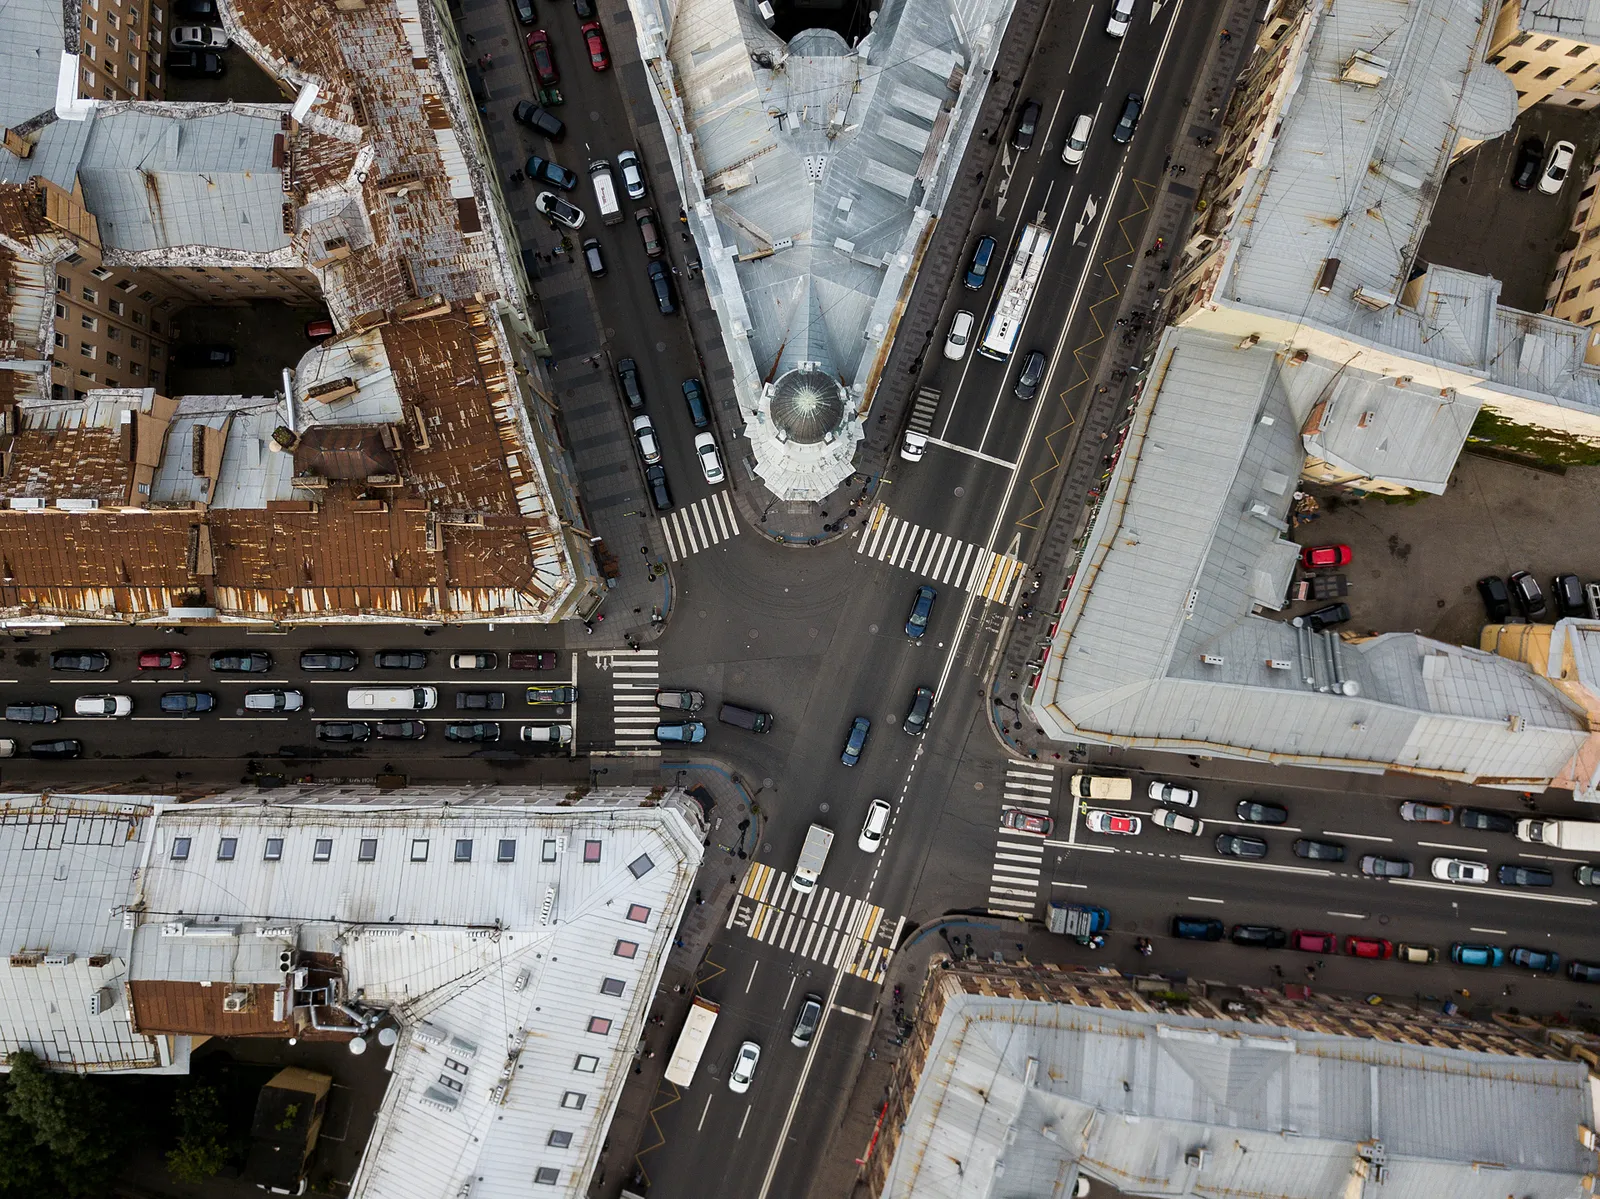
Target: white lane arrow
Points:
(1090, 208)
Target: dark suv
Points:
(694, 395)
(1530, 157)
(241, 661)
(1265, 936)
(92, 660)
(628, 376)
(1488, 822)
(1496, 599)
(1197, 928)
(1027, 126)
(1323, 618)
(1132, 110)
(1569, 595)
(329, 659)
(661, 286)
(1530, 600)
(1032, 375)
(538, 119)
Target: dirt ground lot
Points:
(1415, 566)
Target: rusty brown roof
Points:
(72, 463)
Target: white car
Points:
(1555, 171)
(632, 175)
(479, 661)
(1077, 143)
(102, 705)
(200, 37)
(645, 434)
(955, 344)
(1121, 17)
(744, 1068)
(1460, 870)
(1112, 823)
(872, 829)
(1171, 793)
(705, 449)
(1175, 822)
(557, 209)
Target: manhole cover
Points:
(610, 333)
(702, 613)
(661, 347)
(977, 786)
(871, 628)
(822, 807)
(755, 632)
(571, 391)
(767, 848)
(960, 491)
(811, 632)
(1383, 920)
(766, 782)
(594, 116)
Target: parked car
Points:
(475, 661)
(102, 705)
(546, 694)
(1463, 953)
(1171, 793)
(594, 39)
(1121, 17)
(524, 10)
(199, 37)
(1369, 947)
(1422, 955)
(1586, 875)
(648, 231)
(241, 661)
(329, 659)
(1232, 845)
(1262, 936)
(916, 721)
(1317, 557)
(65, 747)
(1568, 592)
(628, 376)
(197, 10)
(1198, 928)
(91, 661)
(1427, 813)
(1496, 598)
(593, 260)
(400, 659)
(1112, 824)
(1128, 122)
(694, 397)
(1583, 972)
(539, 119)
(195, 64)
(1459, 870)
(1255, 811)
(655, 478)
(557, 209)
(1027, 126)
(1376, 866)
(162, 659)
(1175, 822)
(204, 355)
(480, 701)
(875, 825)
(187, 703)
(547, 734)
(921, 612)
(553, 173)
(1318, 851)
(632, 173)
(1513, 875)
(32, 713)
(544, 62)
(705, 451)
(644, 440)
(1031, 375)
(982, 256)
(661, 287)
(344, 730)
(1542, 960)
(1307, 941)
(1530, 157)
(687, 732)
(1323, 618)
(955, 341)
(1555, 171)
(1488, 822)
(1019, 821)
(476, 731)
(855, 741)
(272, 700)
(533, 659)
(1530, 600)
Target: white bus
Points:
(1011, 309)
(692, 1040)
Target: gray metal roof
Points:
(1577, 19)
(1019, 1096)
(32, 41)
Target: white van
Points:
(392, 699)
(551, 734)
(605, 191)
(1077, 140)
(1102, 787)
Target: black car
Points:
(1318, 851)
(552, 173)
(28, 713)
(524, 9)
(1530, 600)
(1027, 126)
(1198, 928)
(1496, 599)
(1530, 159)
(1511, 875)
(982, 256)
(187, 703)
(204, 354)
(1032, 375)
(584, 9)
(1323, 618)
(66, 747)
(1568, 592)
(1234, 845)
(1583, 972)
(400, 730)
(593, 258)
(479, 731)
(695, 396)
(661, 285)
(241, 661)
(660, 494)
(400, 659)
(1488, 822)
(195, 64)
(480, 701)
(329, 659)
(538, 119)
(1253, 811)
(1132, 110)
(80, 659)
(916, 721)
(344, 730)
(1263, 936)
(628, 376)
(198, 10)
(1586, 874)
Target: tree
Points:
(69, 1119)
(201, 1151)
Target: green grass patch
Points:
(1545, 445)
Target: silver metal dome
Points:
(807, 404)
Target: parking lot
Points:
(265, 337)
(241, 80)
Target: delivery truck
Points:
(812, 856)
(1581, 836)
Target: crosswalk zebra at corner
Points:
(700, 525)
(939, 557)
(1017, 875)
(824, 925)
(635, 678)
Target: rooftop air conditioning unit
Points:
(1279, 664)
(1212, 659)
(101, 1001)
(236, 1001)
(59, 959)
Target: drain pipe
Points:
(288, 400)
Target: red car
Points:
(1368, 947)
(544, 62)
(1026, 822)
(595, 39)
(1309, 942)
(162, 659)
(1314, 556)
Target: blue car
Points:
(1535, 959)
(856, 741)
(183, 703)
(690, 732)
(981, 257)
(921, 610)
(1463, 954)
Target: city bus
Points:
(1011, 309)
(692, 1042)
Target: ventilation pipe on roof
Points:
(288, 400)
(303, 102)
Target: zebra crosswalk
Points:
(635, 675)
(824, 925)
(1017, 874)
(696, 526)
(939, 557)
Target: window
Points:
(112, 383)
(89, 24)
(1547, 72)
(573, 1100)
(180, 849)
(626, 949)
(60, 340)
(463, 849)
(87, 350)
(136, 369)
(323, 850)
(612, 986)
(1585, 315)
(274, 850)
(1545, 45)
(419, 849)
(113, 359)
(90, 296)
(135, 341)
(147, 296)
(1516, 66)
(1577, 51)
(508, 850)
(125, 285)
(548, 852)
(1578, 103)
(226, 848)
(63, 284)
(116, 307)
(138, 319)
(368, 851)
(1522, 39)
(73, 260)
(591, 851)
(600, 1025)
(101, 273)
(114, 333)
(559, 1139)
(61, 309)
(587, 1063)
(547, 1174)
(641, 866)
(638, 913)
(1582, 262)
(89, 322)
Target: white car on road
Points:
(1555, 171)
(872, 829)
(1175, 822)
(102, 705)
(200, 37)
(744, 1068)
(1112, 823)
(1121, 17)
(1171, 793)
(705, 449)
(955, 344)
(1460, 870)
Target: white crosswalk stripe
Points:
(635, 676)
(936, 556)
(703, 523)
(824, 925)
(1018, 871)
